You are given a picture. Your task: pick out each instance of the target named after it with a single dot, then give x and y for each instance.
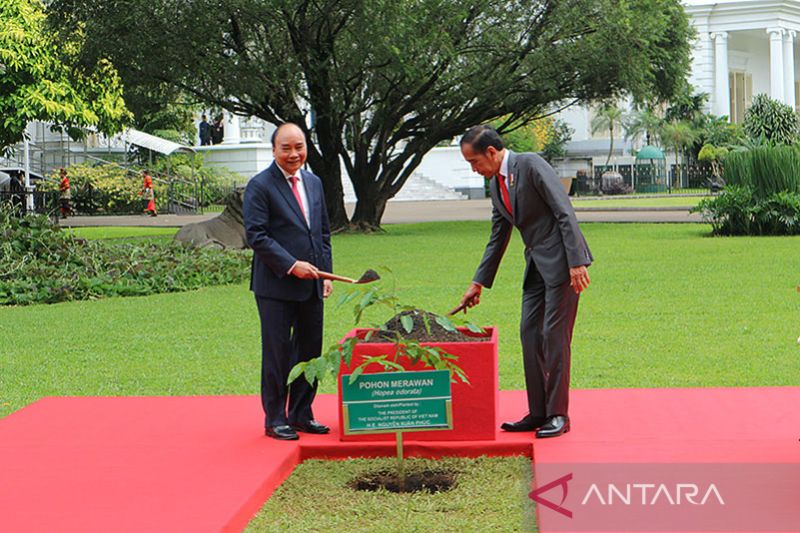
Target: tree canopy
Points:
(377, 83)
(40, 78)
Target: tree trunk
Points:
(334, 199)
(369, 211)
(330, 171)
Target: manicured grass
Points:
(661, 201)
(491, 495)
(668, 307)
(121, 232)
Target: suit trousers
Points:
(548, 317)
(291, 332)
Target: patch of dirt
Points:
(431, 481)
(419, 331)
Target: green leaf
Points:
(298, 369)
(356, 372)
(426, 321)
(407, 322)
(446, 323)
(393, 365)
(473, 328)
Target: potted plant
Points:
(413, 340)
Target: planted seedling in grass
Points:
(408, 334)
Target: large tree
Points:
(387, 80)
(42, 79)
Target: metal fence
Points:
(44, 203)
(680, 179)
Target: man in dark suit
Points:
(204, 131)
(527, 194)
(286, 223)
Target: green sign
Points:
(397, 401)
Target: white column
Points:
(788, 68)
(233, 133)
(722, 92)
(776, 64)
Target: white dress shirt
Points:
(302, 188)
(504, 168)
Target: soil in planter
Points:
(419, 332)
(415, 481)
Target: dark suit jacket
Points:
(545, 218)
(279, 235)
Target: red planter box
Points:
(475, 404)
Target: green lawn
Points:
(661, 201)
(491, 494)
(668, 307)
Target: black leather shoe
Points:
(281, 433)
(528, 423)
(555, 426)
(312, 426)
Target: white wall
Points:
(446, 166)
(442, 164)
(750, 53)
(246, 159)
(578, 118)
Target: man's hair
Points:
(275, 133)
(480, 138)
(203, 117)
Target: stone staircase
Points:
(417, 188)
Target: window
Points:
(741, 87)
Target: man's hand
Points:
(327, 288)
(304, 270)
(472, 297)
(579, 278)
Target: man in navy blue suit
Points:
(286, 222)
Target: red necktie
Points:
(501, 181)
(296, 192)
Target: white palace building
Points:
(742, 48)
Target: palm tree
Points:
(678, 136)
(607, 118)
(642, 122)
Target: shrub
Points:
(216, 182)
(766, 170)
(773, 120)
(714, 156)
(779, 214)
(106, 189)
(737, 211)
(729, 213)
(39, 263)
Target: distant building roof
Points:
(151, 142)
(596, 147)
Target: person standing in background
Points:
(148, 195)
(204, 131)
(218, 130)
(65, 195)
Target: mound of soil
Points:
(419, 332)
(416, 481)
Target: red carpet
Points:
(203, 464)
